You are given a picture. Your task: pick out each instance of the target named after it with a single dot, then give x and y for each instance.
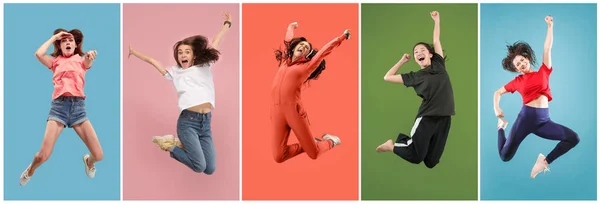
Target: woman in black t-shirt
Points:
(427, 139)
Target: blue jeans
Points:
(198, 153)
(68, 110)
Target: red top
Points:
(286, 88)
(531, 85)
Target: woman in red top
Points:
(534, 116)
(298, 64)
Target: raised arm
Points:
(289, 35)
(391, 75)
(501, 91)
(216, 41)
(41, 55)
(437, 44)
(325, 51)
(547, 57)
(147, 59)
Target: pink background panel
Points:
(150, 103)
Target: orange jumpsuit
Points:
(287, 112)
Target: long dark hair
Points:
(429, 48)
(77, 35)
(288, 53)
(203, 54)
(518, 48)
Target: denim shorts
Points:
(68, 110)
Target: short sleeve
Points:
(410, 79)
(512, 85)
(170, 73)
(54, 63)
(545, 69)
(439, 60)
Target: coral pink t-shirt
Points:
(532, 85)
(69, 76)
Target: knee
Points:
(278, 157)
(41, 156)
(98, 156)
(312, 155)
(210, 169)
(573, 138)
(415, 160)
(431, 164)
(505, 158)
(199, 167)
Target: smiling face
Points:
(67, 46)
(521, 64)
(185, 56)
(301, 50)
(422, 55)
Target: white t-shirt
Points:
(194, 85)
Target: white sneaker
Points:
(25, 176)
(502, 124)
(539, 166)
(91, 172)
(335, 139)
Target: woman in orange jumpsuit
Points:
(298, 64)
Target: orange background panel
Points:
(331, 103)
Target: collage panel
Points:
(538, 105)
(419, 102)
(181, 101)
(300, 102)
(62, 102)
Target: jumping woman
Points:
(427, 138)
(534, 116)
(298, 64)
(193, 81)
(69, 65)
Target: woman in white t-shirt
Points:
(193, 81)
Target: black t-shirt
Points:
(433, 85)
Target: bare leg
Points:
(88, 135)
(53, 130)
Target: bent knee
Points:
(98, 156)
(199, 168)
(279, 157)
(210, 169)
(574, 138)
(505, 158)
(431, 164)
(41, 157)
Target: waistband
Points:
(188, 113)
(70, 98)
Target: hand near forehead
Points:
(61, 35)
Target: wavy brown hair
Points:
(77, 35)
(518, 48)
(203, 54)
(288, 53)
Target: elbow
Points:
(386, 78)
(39, 55)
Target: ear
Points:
(430, 55)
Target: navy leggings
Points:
(536, 121)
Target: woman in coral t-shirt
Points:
(534, 116)
(69, 66)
